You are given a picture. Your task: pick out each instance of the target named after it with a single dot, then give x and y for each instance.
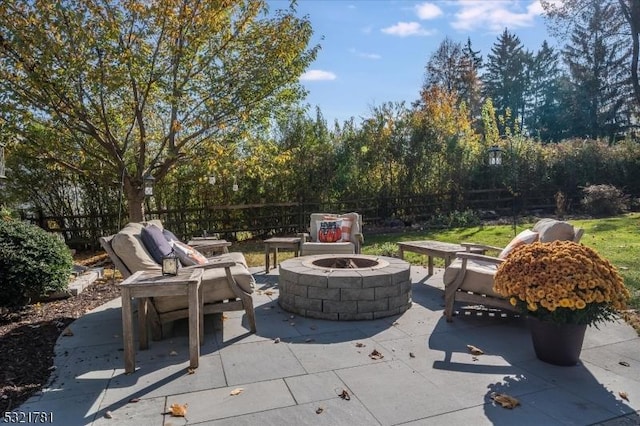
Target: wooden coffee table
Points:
(446, 251)
(146, 284)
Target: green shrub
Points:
(604, 200)
(33, 263)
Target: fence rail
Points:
(236, 222)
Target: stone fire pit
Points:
(345, 287)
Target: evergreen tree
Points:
(506, 80)
(544, 119)
(597, 56)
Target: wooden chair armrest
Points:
(359, 237)
(212, 263)
(475, 256)
(469, 246)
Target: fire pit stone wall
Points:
(380, 289)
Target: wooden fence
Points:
(237, 222)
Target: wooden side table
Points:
(146, 284)
(273, 244)
(209, 246)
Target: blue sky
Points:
(375, 51)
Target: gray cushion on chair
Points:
(155, 242)
(552, 230)
(130, 249)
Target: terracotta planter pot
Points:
(558, 344)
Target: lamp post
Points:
(495, 160)
(3, 177)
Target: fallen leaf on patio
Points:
(345, 395)
(236, 391)
(313, 327)
(505, 400)
(319, 410)
(173, 353)
(67, 332)
(292, 316)
(224, 317)
(292, 323)
(474, 350)
(360, 345)
(474, 358)
(376, 355)
(266, 308)
(276, 340)
(411, 355)
(310, 340)
(134, 400)
(191, 371)
(177, 410)
(259, 292)
(624, 363)
(624, 396)
(108, 415)
(268, 293)
(395, 323)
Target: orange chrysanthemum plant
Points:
(563, 282)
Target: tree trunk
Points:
(135, 200)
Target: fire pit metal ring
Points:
(345, 287)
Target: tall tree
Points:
(543, 120)
(506, 80)
(134, 86)
(564, 16)
(470, 85)
(444, 67)
(597, 57)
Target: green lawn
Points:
(615, 238)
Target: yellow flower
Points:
(559, 278)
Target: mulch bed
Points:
(28, 336)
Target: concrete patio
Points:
(294, 369)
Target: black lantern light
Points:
(495, 155)
(170, 264)
(149, 181)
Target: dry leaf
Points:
(269, 293)
(505, 400)
(474, 350)
(173, 353)
(191, 370)
(108, 415)
(319, 410)
(624, 364)
(292, 323)
(134, 400)
(345, 395)
(624, 396)
(360, 345)
(224, 317)
(276, 340)
(236, 391)
(313, 327)
(376, 355)
(67, 332)
(411, 355)
(310, 340)
(177, 410)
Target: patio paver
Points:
(427, 375)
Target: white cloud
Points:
(317, 75)
(428, 11)
(365, 55)
(494, 16)
(405, 29)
